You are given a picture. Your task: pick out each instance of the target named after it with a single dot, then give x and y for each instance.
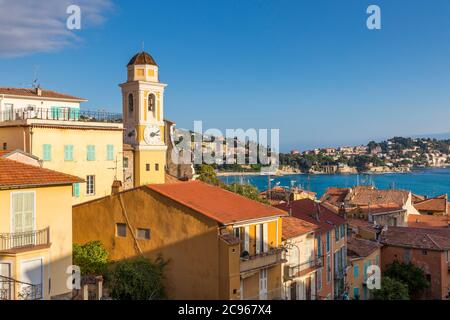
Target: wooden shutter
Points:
(23, 212)
(246, 239)
(257, 238)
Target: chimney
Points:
(116, 187)
(38, 91)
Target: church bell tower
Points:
(143, 119)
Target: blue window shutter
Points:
(110, 152)
(90, 153)
(68, 152)
(356, 271)
(47, 152)
(356, 292)
(76, 190)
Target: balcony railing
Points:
(11, 289)
(60, 114)
(298, 270)
(262, 260)
(20, 240)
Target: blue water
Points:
(429, 182)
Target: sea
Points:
(429, 182)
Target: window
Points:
(74, 114)
(143, 234)
(424, 252)
(151, 102)
(336, 234)
(90, 153)
(76, 190)
(90, 185)
(366, 265)
(121, 230)
(328, 268)
(5, 146)
(125, 163)
(343, 231)
(377, 260)
(56, 113)
(47, 152)
(319, 247)
(68, 152)
(110, 152)
(23, 212)
(147, 167)
(328, 241)
(355, 271)
(319, 279)
(356, 293)
(130, 103)
(156, 166)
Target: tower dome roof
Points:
(142, 58)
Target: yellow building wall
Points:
(357, 282)
(105, 171)
(151, 157)
(53, 210)
(188, 240)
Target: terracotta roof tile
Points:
(361, 196)
(216, 203)
(335, 195)
(293, 227)
(15, 174)
(361, 247)
(27, 92)
(438, 204)
(308, 210)
(419, 238)
(425, 221)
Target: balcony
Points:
(60, 114)
(263, 260)
(298, 270)
(24, 241)
(11, 289)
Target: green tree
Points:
(246, 190)
(391, 289)
(92, 257)
(409, 274)
(207, 174)
(137, 279)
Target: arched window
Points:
(130, 103)
(151, 102)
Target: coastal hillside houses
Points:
(427, 248)
(219, 245)
(279, 194)
(35, 229)
(331, 238)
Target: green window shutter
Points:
(76, 190)
(356, 293)
(47, 152)
(356, 271)
(74, 113)
(90, 153)
(54, 112)
(109, 152)
(68, 152)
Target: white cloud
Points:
(31, 26)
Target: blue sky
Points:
(310, 68)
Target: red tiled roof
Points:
(419, 238)
(307, 209)
(438, 204)
(27, 92)
(293, 227)
(335, 195)
(425, 221)
(379, 208)
(361, 247)
(216, 203)
(361, 196)
(15, 174)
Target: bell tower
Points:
(143, 119)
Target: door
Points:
(8, 112)
(294, 291)
(31, 273)
(23, 219)
(5, 283)
(263, 284)
(308, 288)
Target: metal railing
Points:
(25, 291)
(262, 260)
(11, 241)
(60, 114)
(292, 271)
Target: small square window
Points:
(424, 252)
(156, 166)
(5, 146)
(147, 167)
(125, 163)
(143, 234)
(121, 230)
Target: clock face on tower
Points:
(152, 134)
